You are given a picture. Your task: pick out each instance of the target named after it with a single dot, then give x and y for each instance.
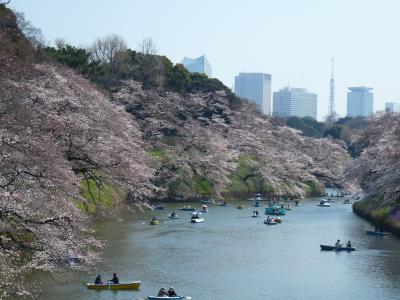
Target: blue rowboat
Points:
(334, 248)
(275, 211)
(377, 233)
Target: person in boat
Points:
(338, 244)
(171, 292)
(98, 280)
(115, 279)
(348, 245)
(162, 292)
(173, 214)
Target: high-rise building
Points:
(331, 108)
(255, 87)
(392, 106)
(298, 102)
(360, 102)
(197, 65)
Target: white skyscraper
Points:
(392, 106)
(197, 65)
(331, 108)
(255, 87)
(298, 102)
(360, 102)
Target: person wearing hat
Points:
(171, 292)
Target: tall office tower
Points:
(392, 106)
(331, 108)
(255, 87)
(360, 102)
(295, 102)
(197, 65)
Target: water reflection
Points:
(234, 256)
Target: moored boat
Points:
(187, 208)
(335, 248)
(133, 285)
(207, 201)
(222, 203)
(377, 233)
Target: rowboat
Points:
(240, 206)
(174, 298)
(173, 216)
(196, 218)
(270, 222)
(207, 201)
(275, 211)
(324, 203)
(377, 233)
(154, 222)
(204, 208)
(134, 285)
(257, 204)
(334, 248)
(187, 208)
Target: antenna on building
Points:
(331, 108)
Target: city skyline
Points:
(235, 45)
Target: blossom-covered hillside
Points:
(378, 171)
(201, 147)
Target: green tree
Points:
(179, 78)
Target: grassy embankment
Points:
(385, 216)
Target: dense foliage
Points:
(344, 129)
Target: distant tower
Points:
(331, 109)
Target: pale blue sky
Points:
(293, 40)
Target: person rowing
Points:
(98, 280)
(338, 244)
(171, 292)
(114, 279)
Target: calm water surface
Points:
(233, 256)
